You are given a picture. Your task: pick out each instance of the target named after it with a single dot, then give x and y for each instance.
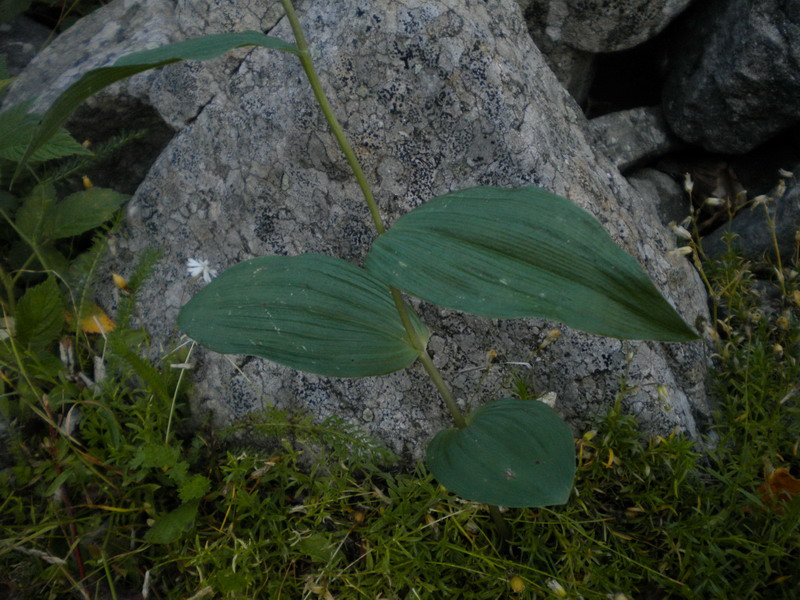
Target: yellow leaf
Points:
(120, 281)
(610, 460)
(96, 320)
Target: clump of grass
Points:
(110, 494)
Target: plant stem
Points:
(338, 132)
(776, 246)
(341, 138)
(500, 522)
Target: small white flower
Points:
(785, 173)
(688, 184)
(683, 251)
(556, 588)
(200, 268)
(680, 231)
(761, 199)
(714, 201)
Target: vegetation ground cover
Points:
(100, 469)
(111, 489)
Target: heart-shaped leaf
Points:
(514, 453)
(311, 312)
(523, 253)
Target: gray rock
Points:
(752, 232)
(600, 25)
(633, 137)
(733, 80)
(20, 40)
(574, 68)
(663, 192)
(435, 97)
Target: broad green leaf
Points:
(82, 211)
(32, 216)
(202, 48)
(39, 317)
(523, 253)
(310, 312)
(514, 453)
(170, 527)
(17, 127)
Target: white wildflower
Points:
(785, 173)
(714, 201)
(683, 251)
(556, 588)
(200, 268)
(688, 184)
(680, 231)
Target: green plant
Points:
(488, 251)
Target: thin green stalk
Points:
(341, 138)
(338, 132)
(500, 523)
(26, 239)
(9, 287)
(771, 223)
(109, 578)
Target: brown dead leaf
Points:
(780, 487)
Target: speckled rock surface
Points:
(600, 25)
(435, 97)
(633, 137)
(733, 80)
(664, 192)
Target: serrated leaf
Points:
(523, 253)
(39, 317)
(156, 456)
(515, 453)
(17, 127)
(201, 48)
(194, 487)
(33, 216)
(170, 527)
(311, 312)
(82, 211)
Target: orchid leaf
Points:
(504, 253)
